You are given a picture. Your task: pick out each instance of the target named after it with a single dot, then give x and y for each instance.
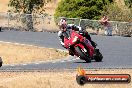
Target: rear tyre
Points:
(82, 54)
(99, 56)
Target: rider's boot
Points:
(70, 53)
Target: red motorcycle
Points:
(81, 47)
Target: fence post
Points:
(79, 22)
(43, 23)
(8, 20)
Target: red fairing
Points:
(91, 49)
(69, 42)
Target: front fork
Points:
(89, 50)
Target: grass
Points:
(14, 53)
(63, 79)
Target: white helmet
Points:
(63, 23)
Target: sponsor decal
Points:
(83, 78)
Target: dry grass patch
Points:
(56, 79)
(13, 53)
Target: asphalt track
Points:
(116, 50)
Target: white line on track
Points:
(12, 65)
(37, 63)
(70, 60)
(63, 61)
(74, 59)
(24, 64)
(54, 62)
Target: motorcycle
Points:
(81, 47)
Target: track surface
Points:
(117, 51)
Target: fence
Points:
(26, 21)
(43, 22)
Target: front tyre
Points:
(82, 54)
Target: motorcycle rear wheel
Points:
(99, 56)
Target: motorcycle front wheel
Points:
(82, 54)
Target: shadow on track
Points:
(86, 62)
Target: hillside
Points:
(4, 5)
(119, 2)
(49, 8)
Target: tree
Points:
(27, 7)
(115, 13)
(90, 9)
(128, 3)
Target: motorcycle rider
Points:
(64, 27)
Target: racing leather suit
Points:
(76, 28)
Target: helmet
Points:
(63, 23)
